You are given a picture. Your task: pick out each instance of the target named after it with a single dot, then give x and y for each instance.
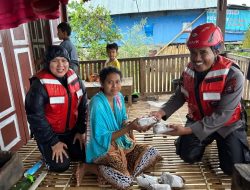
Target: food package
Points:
(146, 121)
(172, 180)
(161, 128)
(146, 181)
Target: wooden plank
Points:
(156, 82)
(137, 77)
(160, 81)
(148, 76)
(152, 74)
(172, 74)
(132, 74)
(142, 79)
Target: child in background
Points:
(112, 51)
(63, 33)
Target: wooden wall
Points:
(21, 54)
(16, 65)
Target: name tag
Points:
(211, 96)
(57, 100)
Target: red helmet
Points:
(205, 35)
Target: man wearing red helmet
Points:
(212, 86)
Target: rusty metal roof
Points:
(135, 6)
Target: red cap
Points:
(205, 35)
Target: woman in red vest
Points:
(56, 106)
(212, 86)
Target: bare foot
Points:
(80, 172)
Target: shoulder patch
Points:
(230, 87)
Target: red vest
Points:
(210, 90)
(62, 109)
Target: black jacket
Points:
(35, 102)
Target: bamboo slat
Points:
(205, 175)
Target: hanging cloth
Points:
(16, 12)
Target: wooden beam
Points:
(64, 14)
(221, 15)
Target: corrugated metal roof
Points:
(135, 6)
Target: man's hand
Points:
(158, 114)
(58, 150)
(179, 130)
(81, 138)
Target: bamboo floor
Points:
(205, 175)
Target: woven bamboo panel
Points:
(205, 175)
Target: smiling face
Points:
(202, 58)
(112, 84)
(59, 66)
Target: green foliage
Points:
(94, 28)
(241, 49)
(246, 42)
(134, 41)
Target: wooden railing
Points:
(154, 75)
(243, 62)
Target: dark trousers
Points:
(74, 152)
(232, 149)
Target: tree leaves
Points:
(94, 28)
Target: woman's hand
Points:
(58, 150)
(128, 127)
(81, 138)
(158, 114)
(135, 126)
(179, 130)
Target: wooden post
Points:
(221, 16)
(248, 72)
(142, 78)
(64, 15)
